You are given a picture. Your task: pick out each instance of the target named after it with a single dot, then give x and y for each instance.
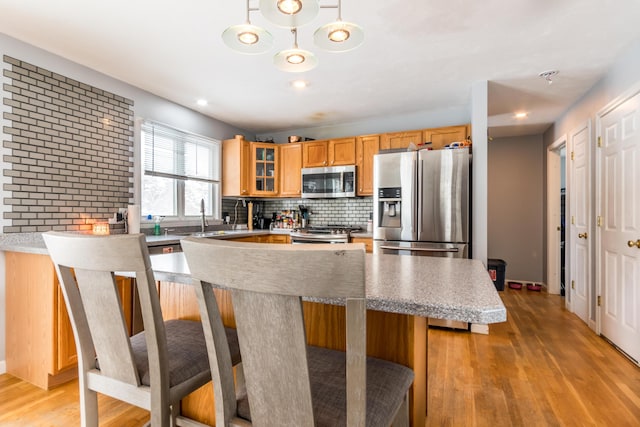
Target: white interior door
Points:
(619, 254)
(579, 238)
(554, 215)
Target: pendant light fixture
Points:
(338, 36)
(248, 38)
(295, 60)
(289, 13)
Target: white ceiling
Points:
(418, 55)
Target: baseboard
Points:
(3, 367)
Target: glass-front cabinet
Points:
(264, 172)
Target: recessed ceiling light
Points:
(202, 102)
(521, 115)
(299, 84)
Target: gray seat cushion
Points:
(186, 348)
(387, 384)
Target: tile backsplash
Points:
(348, 211)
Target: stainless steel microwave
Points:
(335, 181)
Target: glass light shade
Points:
(289, 7)
(247, 38)
(339, 36)
(273, 10)
(295, 60)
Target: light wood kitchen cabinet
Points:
(399, 140)
(264, 238)
(40, 344)
(366, 147)
(333, 152)
(290, 165)
(441, 137)
(264, 170)
(236, 158)
(278, 238)
(368, 243)
(315, 154)
(342, 151)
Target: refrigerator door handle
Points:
(408, 248)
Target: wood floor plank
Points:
(543, 367)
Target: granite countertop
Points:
(441, 288)
(33, 242)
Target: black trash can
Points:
(497, 268)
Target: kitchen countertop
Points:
(33, 242)
(441, 288)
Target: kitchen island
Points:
(402, 293)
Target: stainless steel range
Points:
(323, 234)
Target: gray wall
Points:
(146, 105)
(515, 205)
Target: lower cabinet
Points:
(368, 243)
(264, 238)
(39, 338)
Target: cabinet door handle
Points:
(582, 235)
(631, 243)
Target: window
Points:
(179, 170)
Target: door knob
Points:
(582, 235)
(631, 243)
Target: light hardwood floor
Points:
(543, 367)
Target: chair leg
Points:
(88, 404)
(402, 416)
(175, 411)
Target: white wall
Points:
(418, 120)
(480, 187)
(515, 205)
(622, 76)
(146, 105)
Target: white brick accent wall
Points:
(68, 152)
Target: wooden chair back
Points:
(86, 266)
(267, 282)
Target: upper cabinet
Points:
(264, 171)
(315, 154)
(366, 147)
(290, 165)
(342, 151)
(441, 137)
(334, 152)
(396, 140)
(236, 157)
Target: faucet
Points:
(203, 221)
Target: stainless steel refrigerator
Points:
(421, 203)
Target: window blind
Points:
(171, 153)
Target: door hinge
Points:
(599, 300)
(573, 219)
(573, 284)
(599, 221)
(599, 141)
(572, 155)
